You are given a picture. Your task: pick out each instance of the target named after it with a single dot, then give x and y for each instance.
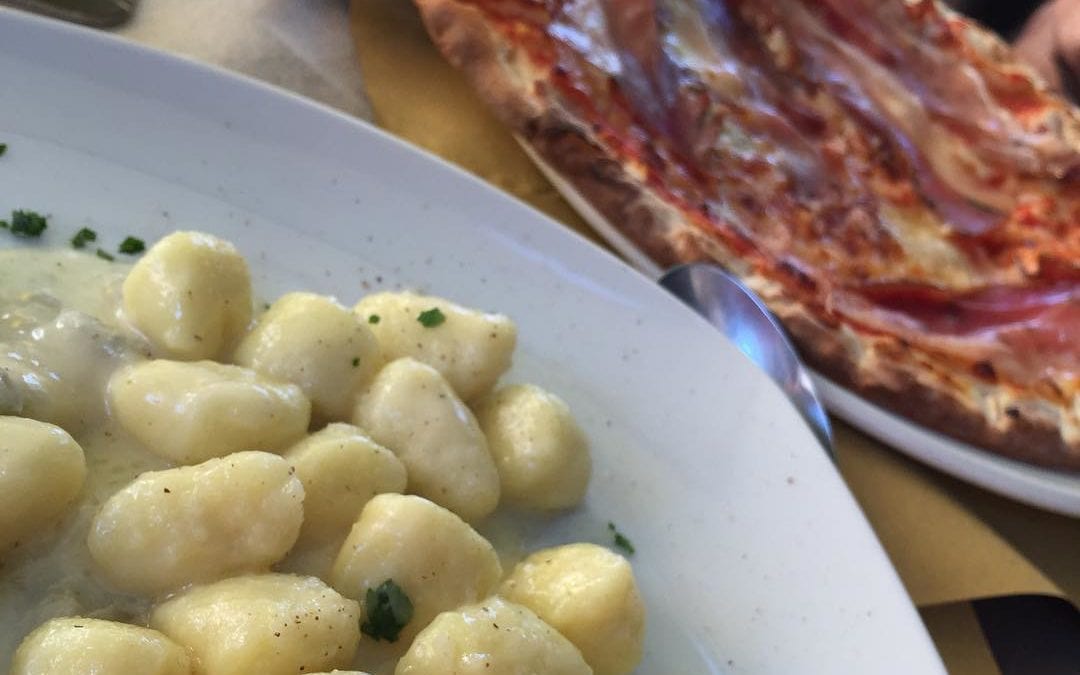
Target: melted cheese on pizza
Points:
(880, 157)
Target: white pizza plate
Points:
(1044, 488)
(751, 553)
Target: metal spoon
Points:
(744, 319)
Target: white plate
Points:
(1044, 488)
(752, 555)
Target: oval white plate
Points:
(752, 555)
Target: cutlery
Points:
(743, 318)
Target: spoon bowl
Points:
(743, 318)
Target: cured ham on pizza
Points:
(894, 184)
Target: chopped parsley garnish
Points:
(105, 255)
(83, 237)
(374, 318)
(4, 225)
(430, 318)
(355, 361)
(388, 610)
(27, 224)
(132, 246)
(621, 540)
(3, 149)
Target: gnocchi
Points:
(190, 412)
(434, 556)
(350, 447)
(312, 341)
(412, 410)
(80, 646)
(190, 295)
(471, 349)
(271, 624)
(494, 636)
(588, 594)
(341, 470)
(541, 453)
(194, 524)
(42, 470)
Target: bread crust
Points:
(882, 369)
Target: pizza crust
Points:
(880, 368)
(1017, 429)
(464, 37)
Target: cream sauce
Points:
(60, 339)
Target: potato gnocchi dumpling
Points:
(495, 637)
(412, 410)
(190, 412)
(588, 594)
(271, 624)
(434, 556)
(198, 523)
(471, 349)
(541, 453)
(42, 470)
(341, 469)
(314, 342)
(190, 295)
(78, 646)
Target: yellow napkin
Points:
(417, 96)
(949, 541)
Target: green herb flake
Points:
(105, 255)
(621, 541)
(430, 318)
(4, 225)
(132, 246)
(388, 610)
(3, 149)
(374, 318)
(27, 224)
(355, 361)
(83, 237)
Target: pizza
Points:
(900, 191)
